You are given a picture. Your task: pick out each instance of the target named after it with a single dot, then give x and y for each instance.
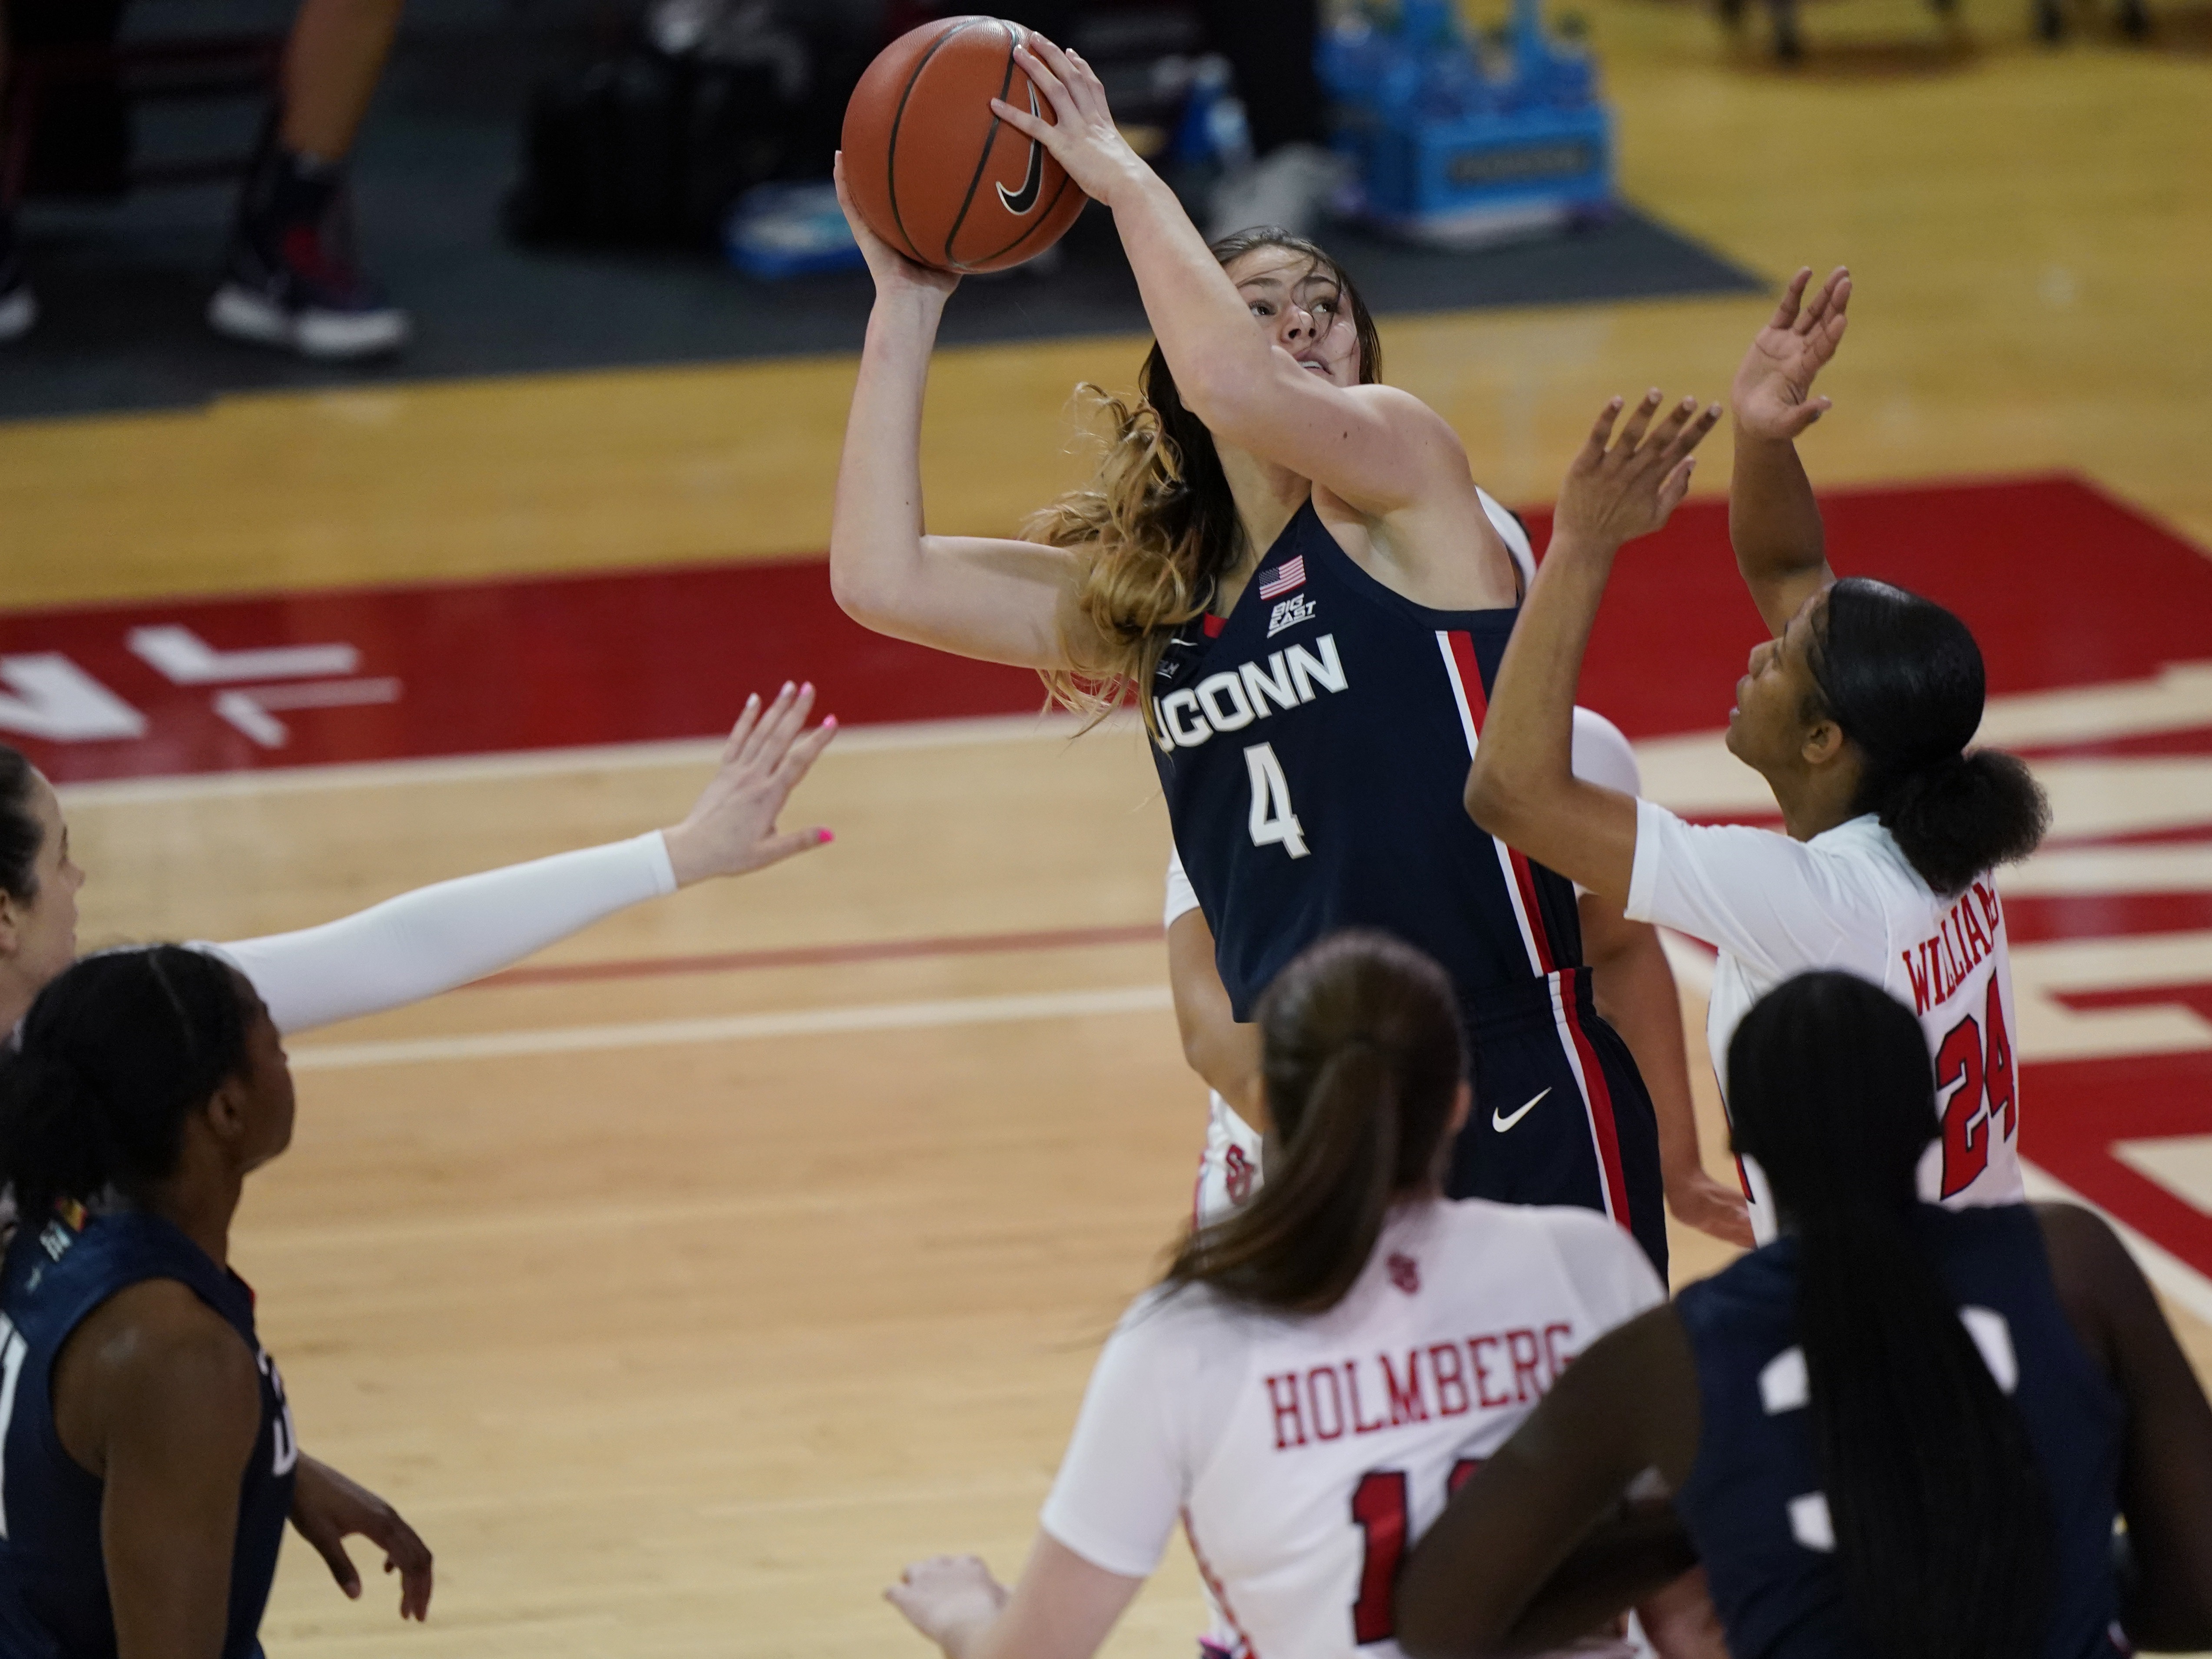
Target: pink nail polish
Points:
(824, 837)
(830, 721)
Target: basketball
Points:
(934, 171)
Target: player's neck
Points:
(198, 1198)
(1268, 498)
(1812, 804)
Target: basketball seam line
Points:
(1014, 39)
(1043, 216)
(890, 149)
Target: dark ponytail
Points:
(115, 1053)
(1361, 1058)
(1943, 1532)
(1904, 678)
(22, 835)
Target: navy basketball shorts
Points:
(1561, 1114)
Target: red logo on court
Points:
(1405, 1272)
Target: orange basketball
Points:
(934, 171)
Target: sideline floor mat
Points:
(123, 288)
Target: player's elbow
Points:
(861, 593)
(1488, 801)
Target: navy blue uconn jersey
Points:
(1313, 747)
(53, 1578)
(1753, 1502)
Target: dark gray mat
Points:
(122, 286)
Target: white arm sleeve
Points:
(435, 938)
(1182, 897)
(1773, 903)
(1122, 1485)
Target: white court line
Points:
(735, 1028)
(2187, 1286)
(1056, 727)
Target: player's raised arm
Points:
(1774, 523)
(1000, 600)
(1377, 448)
(1522, 786)
(419, 943)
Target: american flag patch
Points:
(1291, 575)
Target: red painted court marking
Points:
(2032, 916)
(2063, 586)
(818, 956)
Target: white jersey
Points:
(1848, 899)
(1305, 1456)
(1229, 1168)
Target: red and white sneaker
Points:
(291, 280)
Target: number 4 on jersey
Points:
(1274, 823)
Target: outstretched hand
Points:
(950, 1599)
(732, 827)
(892, 269)
(1772, 397)
(1617, 491)
(327, 1508)
(1081, 136)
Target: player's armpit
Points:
(1502, 1570)
(2166, 1475)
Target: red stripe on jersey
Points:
(1478, 705)
(1245, 1651)
(1597, 1093)
(1470, 676)
(1212, 625)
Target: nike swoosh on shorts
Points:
(1502, 1124)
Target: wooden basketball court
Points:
(682, 1286)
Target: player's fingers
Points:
(1676, 486)
(1639, 421)
(789, 723)
(1659, 446)
(1600, 433)
(1030, 126)
(1785, 310)
(789, 843)
(746, 720)
(1691, 432)
(800, 758)
(1832, 335)
(332, 1549)
(415, 1581)
(1834, 290)
(759, 747)
(1047, 82)
(1805, 414)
